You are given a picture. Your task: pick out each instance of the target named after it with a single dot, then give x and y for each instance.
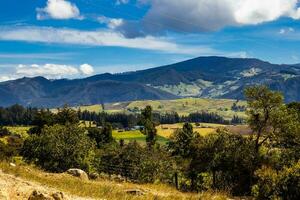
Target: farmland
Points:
(185, 106)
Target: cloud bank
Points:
(100, 38)
(192, 16)
(50, 71)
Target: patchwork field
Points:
(185, 106)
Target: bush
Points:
(10, 148)
(278, 185)
(135, 163)
(59, 148)
(4, 131)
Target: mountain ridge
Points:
(206, 77)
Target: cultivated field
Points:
(181, 106)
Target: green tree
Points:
(59, 148)
(67, 116)
(263, 108)
(149, 126)
(183, 142)
(101, 136)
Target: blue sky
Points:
(77, 38)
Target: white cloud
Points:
(87, 69)
(48, 70)
(286, 30)
(100, 38)
(111, 23)
(59, 9)
(208, 15)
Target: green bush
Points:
(59, 148)
(273, 184)
(135, 162)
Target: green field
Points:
(137, 136)
(181, 106)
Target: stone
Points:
(94, 176)
(37, 195)
(58, 196)
(136, 192)
(78, 173)
(12, 164)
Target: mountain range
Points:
(206, 77)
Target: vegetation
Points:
(264, 164)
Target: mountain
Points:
(209, 77)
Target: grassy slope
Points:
(181, 106)
(102, 189)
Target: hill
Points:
(18, 183)
(207, 77)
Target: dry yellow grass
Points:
(166, 130)
(103, 189)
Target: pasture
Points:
(183, 106)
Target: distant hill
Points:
(208, 77)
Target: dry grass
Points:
(103, 189)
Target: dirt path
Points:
(15, 188)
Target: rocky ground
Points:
(15, 188)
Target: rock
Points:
(58, 196)
(136, 192)
(12, 164)
(37, 195)
(78, 173)
(94, 176)
(117, 178)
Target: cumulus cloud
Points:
(47, 70)
(59, 9)
(87, 69)
(207, 15)
(111, 23)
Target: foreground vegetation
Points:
(102, 188)
(264, 164)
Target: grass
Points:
(182, 106)
(204, 129)
(102, 189)
(137, 136)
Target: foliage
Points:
(101, 136)
(135, 163)
(149, 126)
(184, 141)
(283, 185)
(58, 148)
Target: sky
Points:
(80, 38)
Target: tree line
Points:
(19, 115)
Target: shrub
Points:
(283, 185)
(59, 148)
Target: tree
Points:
(101, 136)
(183, 141)
(58, 148)
(149, 126)
(66, 116)
(263, 108)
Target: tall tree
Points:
(149, 126)
(263, 109)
